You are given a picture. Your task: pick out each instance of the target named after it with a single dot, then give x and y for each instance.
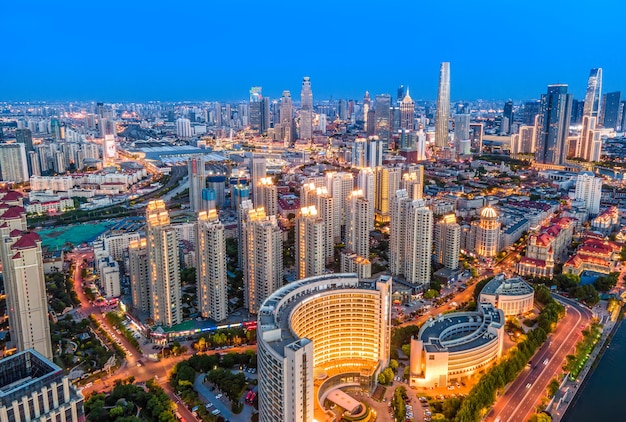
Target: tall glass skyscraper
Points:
(382, 116)
(443, 106)
(594, 92)
(306, 110)
(556, 109)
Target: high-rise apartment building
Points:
(359, 224)
(413, 181)
(589, 189)
(163, 266)
(593, 94)
(13, 164)
(306, 109)
(197, 181)
(387, 183)
(553, 125)
(410, 241)
(183, 128)
(211, 268)
(24, 282)
(35, 389)
(524, 141)
(267, 196)
(339, 186)
(139, 277)
(448, 242)
(407, 112)
(367, 105)
(461, 128)
(311, 238)
(366, 182)
(318, 197)
(262, 245)
(442, 113)
(382, 116)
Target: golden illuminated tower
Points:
(211, 267)
(163, 266)
(310, 243)
(488, 233)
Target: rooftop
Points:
(499, 285)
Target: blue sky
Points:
(137, 50)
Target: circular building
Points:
(488, 233)
(513, 296)
(316, 335)
(455, 346)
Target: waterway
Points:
(602, 396)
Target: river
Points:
(602, 397)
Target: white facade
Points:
(109, 272)
(183, 128)
(13, 164)
(117, 245)
(339, 186)
(310, 243)
(448, 242)
(324, 204)
(267, 196)
(513, 296)
(589, 189)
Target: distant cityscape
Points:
(285, 259)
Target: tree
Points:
(540, 417)
(406, 349)
(393, 364)
(431, 294)
(553, 387)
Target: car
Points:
(545, 362)
(219, 396)
(528, 385)
(208, 406)
(216, 412)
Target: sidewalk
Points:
(568, 390)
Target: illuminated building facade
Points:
(488, 234)
(211, 266)
(163, 266)
(455, 346)
(310, 243)
(267, 196)
(513, 295)
(442, 114)
(317, 334)
(448, 242)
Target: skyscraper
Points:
(197, 181)
(443, 106)
(339, 186)
(413, 182)
(366, 108)
(265, 115)
(366, 182)
(13, 165)
(589, 145)
(507, 118)
(256, 106)
(594, 93)
(306, 110)
(554, 121)
(355, 257)
(310, 243)
(461, 128)
(286, 118)
(407, 112)
(382, 116)
(262, 245)
(211, 267)
(448, 242)
(611, 110)
(163, 266)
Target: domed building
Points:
(488, 234)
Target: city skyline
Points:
(200, 57)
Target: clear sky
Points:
(137, 50)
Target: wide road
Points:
(520, 398)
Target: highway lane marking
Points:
(544, 369)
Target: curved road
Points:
(518, 402)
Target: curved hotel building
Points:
(317, 335)
(455, 346)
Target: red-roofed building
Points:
(594, 255)
(546, 247)
(606, 222)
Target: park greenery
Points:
(228, 337)
(218, 371)
(128, 402)
(583, 348)
(483, 394)
(569, 284)
(398, 403)
(61, 292)
(116, 347)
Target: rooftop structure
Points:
(513, 295)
